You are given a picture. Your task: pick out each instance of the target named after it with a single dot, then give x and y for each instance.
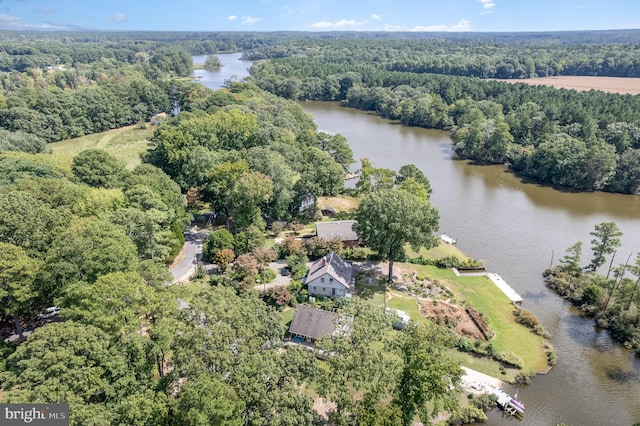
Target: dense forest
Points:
(582, 140)
(61, 85)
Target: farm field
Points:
(622, 85)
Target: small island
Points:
(212, 63)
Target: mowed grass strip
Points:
(126, 144)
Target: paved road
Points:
(192, 254)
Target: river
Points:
(516, 227)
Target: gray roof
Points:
(311, 322)
(342, 229)
(335, 266)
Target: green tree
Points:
(115, 302)
(361, 361)
(337, 147)
(249, 193)
(208, 401)
(17, 274)
(70, 363)
(97, 168)
(429, 379)
(606, 240)
(571, 261)
(29, 223)
(410, 171)
(391, 218)
(212, 63)
(217, 240)
(88, 249)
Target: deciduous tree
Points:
(389, 219)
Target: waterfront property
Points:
(331, 276)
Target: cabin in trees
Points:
(342, 229)
(331, 276)
(310, 324)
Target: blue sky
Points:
(320, 15)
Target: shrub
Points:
(289, 246)
(464, 345)
(278, 296)
(510, 359)
(525, 377)
(526, 318)
(485, 402)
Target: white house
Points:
(331, 276)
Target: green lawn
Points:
(287, 315)
(125, 143)
(486, 297)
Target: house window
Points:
(314, 288)
(322, 279)
(333, 291)
(330, 280)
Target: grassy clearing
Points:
(440, 251)
(339, 204)
(125, 143)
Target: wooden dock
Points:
(506, 288)
(479, 383)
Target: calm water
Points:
(515, 227)
(233, 68)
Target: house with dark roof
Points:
(331, 276)
(342, 229)
(310, 324)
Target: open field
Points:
(339, 204)
(622, 85)
(125, 143)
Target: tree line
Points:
(553, 136)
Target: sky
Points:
(320, 15)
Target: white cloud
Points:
(45, 9)
(9, 22)
(462, 25)
(376, 17)
(232, 18)
(389, 27)
(487, 4)
(118, 18)
(250, 20)
(343, 23)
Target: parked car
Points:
(49, 312)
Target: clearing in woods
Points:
(125, 143)
(621, 85)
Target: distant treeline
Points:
(474, 58)
(499, 55)
(583, 140)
